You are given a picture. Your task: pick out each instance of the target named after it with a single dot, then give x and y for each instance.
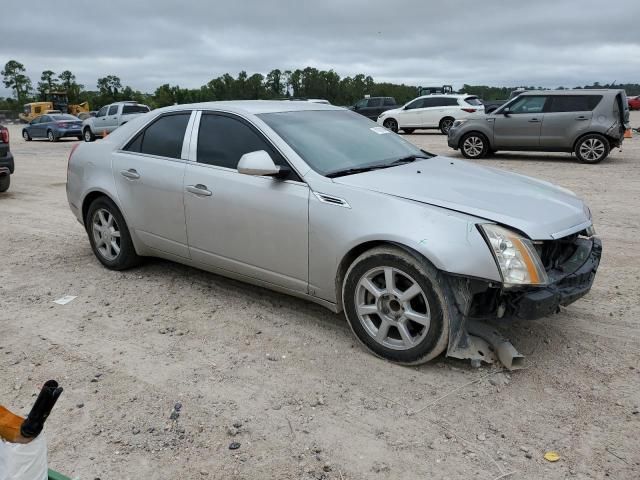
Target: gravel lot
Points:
(164, 366)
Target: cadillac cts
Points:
(321, 203)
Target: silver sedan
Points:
(321, 203)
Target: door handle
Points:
(534, 120)
(131, 173)
(581, 117)
(199, 189)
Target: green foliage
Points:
(303, 83)
(14, 78)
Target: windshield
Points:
(334, 140)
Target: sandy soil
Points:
(164, 366)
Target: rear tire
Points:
(5, 181)
(394, 305)
(51, 136)
(109, 235)
(592, 148)
(474, 145)
(445, 125)
(88, 135)
(408, 131)
(391, 124)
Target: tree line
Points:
(302, 83)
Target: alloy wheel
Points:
(592, 149)
(106, 234)
(25, 135)
(392, 125)
(446, 125)
(473, 146)
(392, 308)
(50, 136)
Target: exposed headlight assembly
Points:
(515, 255)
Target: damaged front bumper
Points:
(473, 301)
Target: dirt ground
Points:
(164, 366)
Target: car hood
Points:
(392, 111)
(537, 208)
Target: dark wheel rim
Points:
(392, 308)
(446, 125)
(473, 146)
(592, 149)
(391, 125)
(106, 234)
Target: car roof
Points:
(579, 91)
(447, 95)
(254, 107)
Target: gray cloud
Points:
(150, 42)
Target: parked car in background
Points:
(6, 160)
(372, 107)
(634, 103)
(253, 189)
(53, 127)
(588, 123)
(110, 117)
(431, 111)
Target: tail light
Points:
(469, 110)
(4, 134)
(62, 124)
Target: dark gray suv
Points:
(588, 123)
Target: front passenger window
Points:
(528, 104)
(102, 112)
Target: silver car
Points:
(588, 123)
(319, 202)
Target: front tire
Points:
(5, 181)
(391, 124)
(445, 125)
(592, 148)
(394, 305)
(88, 135)
(474, 145)
(109, 236)
(26, 136)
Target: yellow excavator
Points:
(55, 102)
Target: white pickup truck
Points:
(111, 117)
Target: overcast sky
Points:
(150, 42)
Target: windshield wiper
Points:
(408, 159)
(353, 170)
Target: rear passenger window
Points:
(113, 110)
(447, 102)
(430, 102)
(375, 102)
(574, 103)
(475, 101)
(164, 137)
(389, 102)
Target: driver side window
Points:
(528, 104)
(362, 103)
(102, 112)
(415, 104)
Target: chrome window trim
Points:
(186, 141)
(142, 127)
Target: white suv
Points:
(431, 111)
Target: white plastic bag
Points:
(24, 461)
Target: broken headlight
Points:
(517, 259)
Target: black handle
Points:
(34, 423)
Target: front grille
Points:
(554, 253)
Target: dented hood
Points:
(539, 209)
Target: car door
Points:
(431, 111)
(409, 116)
(149, 173)
(34, 127)
(566, 117)
(111, 118)
(520, 125)
(374, 108)
(254, 226)
(99, 121)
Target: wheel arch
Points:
(348, 259)
(593, 132)
(477, 132)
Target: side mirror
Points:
(259, 163)
(506, 111)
